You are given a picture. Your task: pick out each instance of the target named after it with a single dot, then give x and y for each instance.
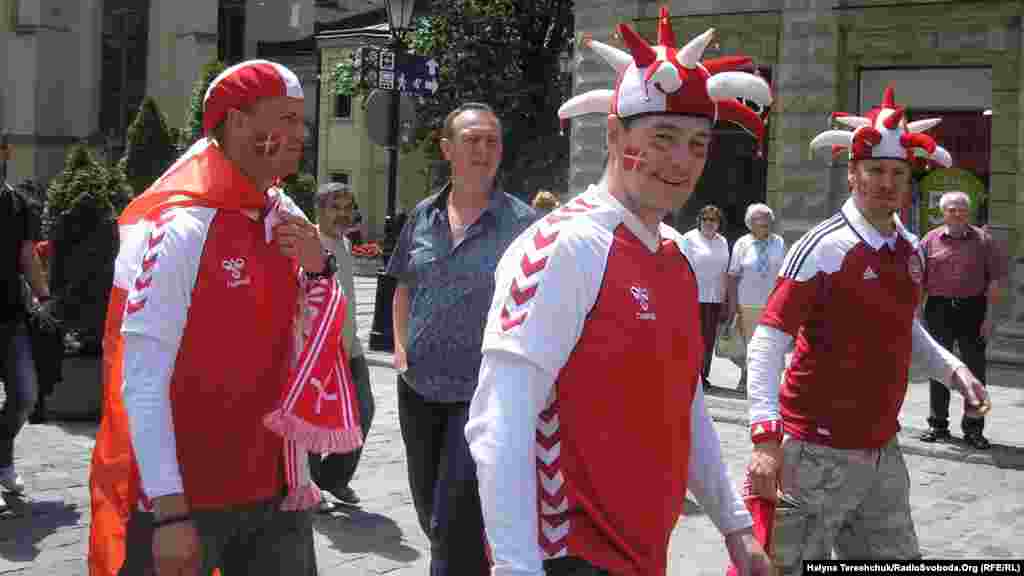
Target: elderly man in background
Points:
(962, 275)
(335, 209)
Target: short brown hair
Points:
(448, 131)
(710, 211)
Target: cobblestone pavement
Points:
(965, 505)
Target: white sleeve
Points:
(154, 321)
(545, 285)
(938, 362)
(766, 360)
(148, 364)
(501, 433)
(708, 476)
(735, 261)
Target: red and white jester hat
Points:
(884, 133)
(662, 79)
(244, 83)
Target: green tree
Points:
(151, 147)
(508, 54)
(82, 206)
(194, 120)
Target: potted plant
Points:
(80, 222)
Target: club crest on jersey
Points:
(643, 299)
(236, 269)
(915, 268)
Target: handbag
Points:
(730, 342)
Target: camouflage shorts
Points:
(853, 502)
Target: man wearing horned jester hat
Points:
(588, 425)
(825, 446)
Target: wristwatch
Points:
(330, 267)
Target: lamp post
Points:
(5, 153)
(381, 334)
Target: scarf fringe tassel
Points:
(313, 438)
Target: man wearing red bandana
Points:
(222, 357)
(825, 444)
(588, 425)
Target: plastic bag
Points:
(730, 342)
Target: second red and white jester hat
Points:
(884, 133)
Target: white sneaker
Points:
(325, 506)
(11, 481)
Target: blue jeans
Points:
(20, 387)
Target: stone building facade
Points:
(78, 70)
(958, 58)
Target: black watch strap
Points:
(330, 267)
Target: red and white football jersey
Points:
(609, 311)
(848, 296)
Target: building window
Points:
(342, 107)
(231, 31)
(340, 177)
(123, 73)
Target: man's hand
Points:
(298, 238)
(747, 555)
(176, 549)
(399, 361)
(985, 333)
(978, 402)
(765, 470)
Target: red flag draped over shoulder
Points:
(202, 176)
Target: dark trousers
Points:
(335, 471)
(956, 320)
(572, 567)
(20, 386)
(709, 313)
(442, 479)
(251, 540)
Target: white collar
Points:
(867, 232)
(629, 220)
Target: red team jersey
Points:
(590, 295)
(211, 285)
(848, 297)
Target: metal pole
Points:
(4, 152)
(390, 233)
(381, 333)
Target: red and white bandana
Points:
(662, 79)
(884, 133)
(244, 83)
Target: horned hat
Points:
(662, 79)
(884, 133)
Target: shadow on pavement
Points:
(354, 531)
(25, 523)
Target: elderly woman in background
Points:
(708, 252)
(335, 207)
(756, 260)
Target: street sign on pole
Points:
(418, 75)
(383, 68)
